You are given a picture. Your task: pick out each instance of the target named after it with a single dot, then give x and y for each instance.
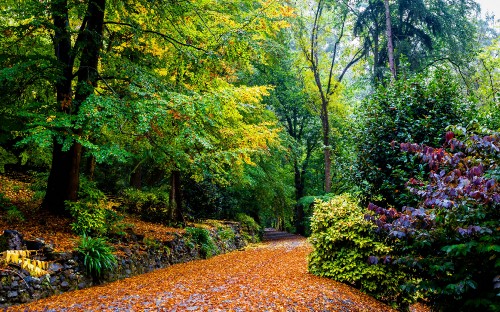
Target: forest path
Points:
(271, 276)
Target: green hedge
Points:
(346, 249)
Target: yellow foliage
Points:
(35, 267)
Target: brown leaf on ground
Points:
(271, 277)
(152, 230)
(37, 224)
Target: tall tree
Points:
(423, 32)
(64, 175)
(390, 46)
(118, 67)
(328, 66)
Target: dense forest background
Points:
(202, 109)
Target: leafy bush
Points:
(97, 255)
(451, 239)
(251, 230)
(346, 249)
(410, 110)
(307, 203)
(95, 219)
(12, 213)
(151, 205)
(225, 233)
(90, 214)
(201, 238)
(89, 192)
(6, 158)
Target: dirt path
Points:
(268, 277)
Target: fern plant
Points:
(201, 237)
(97, 255)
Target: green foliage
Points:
(410, 110)
(344, 243)
(307, 203)
(225, 233)
(39, 184)
(5, 203)
(14, 215)
(202, 239)
(6, 158)
(91, 214)
(151, 204)
(487, 80)
(95, 219)
(11, 213)
(89, 218)
(97, 255)
(450, 241)
(251, 229)
(265, 192)
(89, 192)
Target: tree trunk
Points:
(390, 47)
(136, 177)
(61, 184)
(326, 145)
(91, 163)
(299, 193)
(64, 175)
(63, 179)
(175, 198)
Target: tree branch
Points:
(164, 36)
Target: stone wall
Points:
(67, 271)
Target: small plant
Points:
(89, 218)
(14, 215)
(95, 219)
(152, 243)
(97, 255)
(202, 239)
(5, 203)
(225, 233)
(89, 192)
(151, 205)
(251, 230)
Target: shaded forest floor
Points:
(56, 230)
(267, 277)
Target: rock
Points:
(55, 267)
(59, 256)
(35, 244)
(14, 284)
(13, 240)
(12, 294)
(65, 284)
(127, 251)
(48, 248)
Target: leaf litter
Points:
(267, 277)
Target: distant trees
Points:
(422, 32)
(326, 42)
